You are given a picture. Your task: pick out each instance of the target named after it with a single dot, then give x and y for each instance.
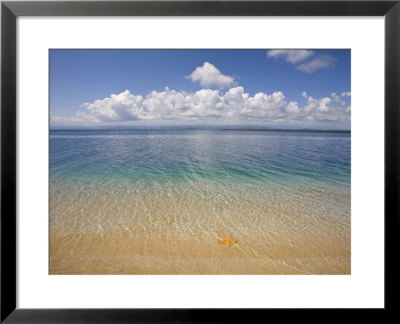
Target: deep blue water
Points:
(183, 155)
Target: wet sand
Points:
(122, 252)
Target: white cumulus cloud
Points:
(291, 56)
(208, 75)
(305, 60)
(118, 107)
(320, 62)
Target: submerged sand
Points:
(281, 230)
(120, 253)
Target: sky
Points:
(272, 88)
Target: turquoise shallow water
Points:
(162, 156)
(111, 178)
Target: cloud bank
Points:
(212, 107)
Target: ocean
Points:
(148, 201)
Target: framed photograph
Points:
(192, 161)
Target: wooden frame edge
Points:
(11, 10)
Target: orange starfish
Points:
(227, 240)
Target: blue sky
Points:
(272, 88)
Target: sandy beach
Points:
(120, 253)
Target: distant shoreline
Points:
(288, 130)
(221, 129)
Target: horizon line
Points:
(206, 128)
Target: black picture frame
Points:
(10, 10)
